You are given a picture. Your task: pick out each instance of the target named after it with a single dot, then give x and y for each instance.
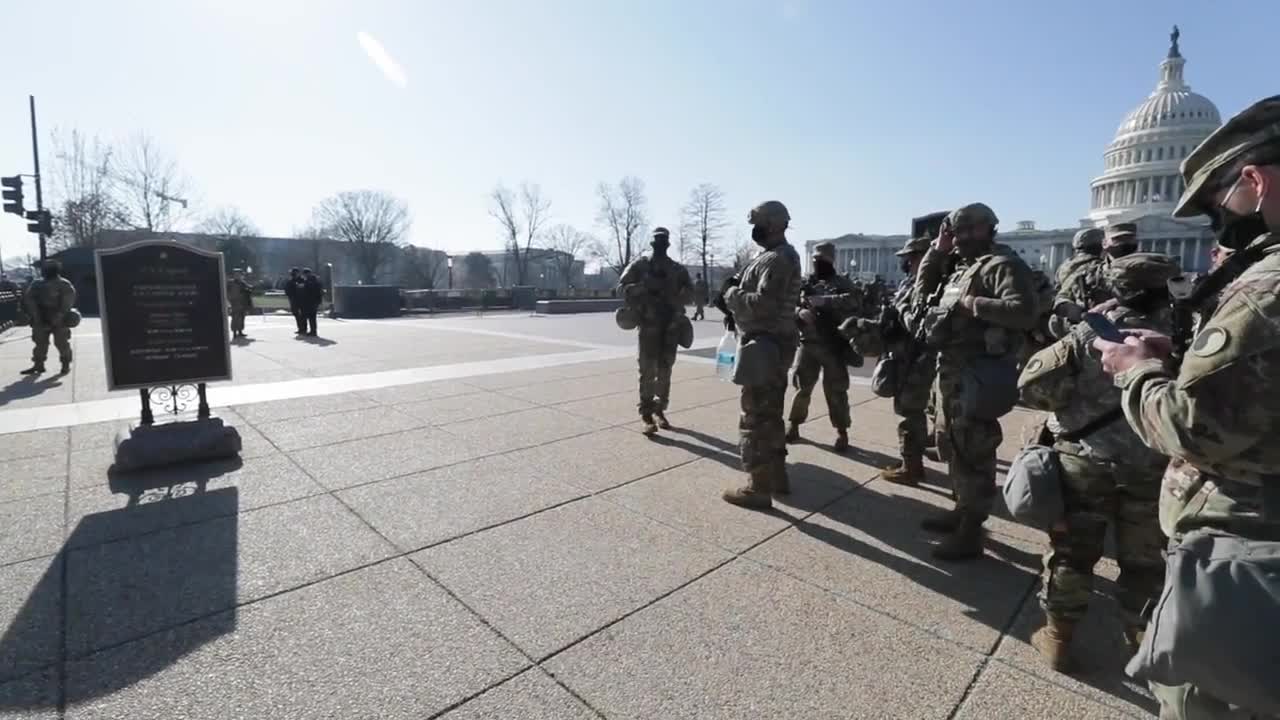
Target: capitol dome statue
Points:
(1140, 175)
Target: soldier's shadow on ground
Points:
(711, 447)
(243, 341)
(29, 386)
(124, 574)
(317, 340)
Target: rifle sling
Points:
(1092, 426)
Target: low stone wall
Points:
(366, 301)
(561, 307)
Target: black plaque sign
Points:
(164, 315)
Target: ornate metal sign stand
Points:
(174, 399)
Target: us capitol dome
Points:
(1140, 175)
(1140, 183)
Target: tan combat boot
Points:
(793, 432)
(1053, 641)
(756, 494)
(842, 441)
(909, 472)
(780, 483)
(650, 427)
(663, 422)
(963, 544)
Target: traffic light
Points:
(12, 194)
(41, 222)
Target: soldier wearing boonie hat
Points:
(1218, 415)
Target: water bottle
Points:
(726, 356)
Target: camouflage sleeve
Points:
(67, 299)
(1221, 405)
(33, 308)
(1012, 297)
(764, 305)
(684, 291)
(630, 283)
(1048, 380)
(929, 275)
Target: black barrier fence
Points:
(497, 299)
(10, 301)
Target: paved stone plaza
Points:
(458, 517)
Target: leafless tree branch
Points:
(623, 212)
(372, 222)
(703, 221)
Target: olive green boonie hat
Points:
(1142, 271)
(914, 246)
(1256, 125)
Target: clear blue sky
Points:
(858, 115)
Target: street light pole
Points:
(449, 261)
(35, 152)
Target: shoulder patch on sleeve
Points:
(1210, 341)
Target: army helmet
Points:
(972, 214)
(1121, 235)
(1087, 239)
(914, 246)
(1136, 272)
(771, 214)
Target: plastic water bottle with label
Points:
(726, 356)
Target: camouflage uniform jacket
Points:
(1084, 282)
(842, 301)
(662, 303)
(1218, 418)
(48, 300)
(1004, 305)
(239, 294)
(1067, 378)
(765, 298)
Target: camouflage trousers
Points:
(61, 340)
(913, 401)
(814, 358)
(237, 320)
(761, 431)
(1097, 494)
(967, 445)
(656, 356)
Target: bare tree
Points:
(150, 189)
(83, 203)
(570, 244)
(521, 219)
(703, 220)
(372, 223)
(624, 213)
(228, 221)
(421, 267)
(743, 254)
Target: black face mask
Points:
(1233, 229)
(905, 266)
(49, 273)
(1119, 251)
(1237, 231)
(758, 234)
(660, 251)
(823, 269)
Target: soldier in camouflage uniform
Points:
(657, 288)
(48, 300)
(1108, 475)
(827, 299)
(763, 302)
(915, 388)
(987, 305)
(1218, 415)
(1081, 283)
(1121, 240)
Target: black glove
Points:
(729, 324)
(731, 281)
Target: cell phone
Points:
(1104, 328)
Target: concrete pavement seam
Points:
(987, 656)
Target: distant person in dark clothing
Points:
(293, 291)
(310, 295)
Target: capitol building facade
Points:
(1140, 183)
